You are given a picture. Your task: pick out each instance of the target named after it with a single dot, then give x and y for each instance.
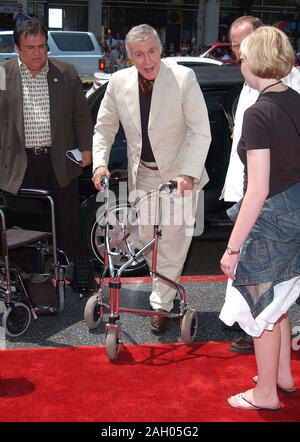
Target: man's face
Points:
(237, 35)
(250, 78)
(33, 52)
(145, 55)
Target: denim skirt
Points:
(268, 271)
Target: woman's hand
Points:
(228, 264)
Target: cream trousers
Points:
(177, 225)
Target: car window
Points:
(7, 43)
(216, 75)
(73, 42)
(221, 52)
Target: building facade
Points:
(197, 21)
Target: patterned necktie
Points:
(145, 85)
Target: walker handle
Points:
(172, 185)
(104, 182)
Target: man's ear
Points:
(17, 49)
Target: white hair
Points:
(141, 33)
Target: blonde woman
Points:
(263, 254)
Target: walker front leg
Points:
(113, 329)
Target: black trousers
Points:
(40, 175)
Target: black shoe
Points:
(159, 324)
(242, 345)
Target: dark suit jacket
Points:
(71, 123)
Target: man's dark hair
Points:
(29, 27)
(254, 21)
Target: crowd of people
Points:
(114, 53)
(116, 57)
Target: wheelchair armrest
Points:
(7, 212)
(29, 193)
(33, 192)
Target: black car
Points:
(221, 86)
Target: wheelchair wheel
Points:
(60, 295)
(189, 326)
(92, 316)
(16, 319)
(112, 343)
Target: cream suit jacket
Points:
(179, 130)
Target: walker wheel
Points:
(189, 326)
(92, 314)
(112, 343)
(16, 319)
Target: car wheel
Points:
(94, 101)
(124, 237)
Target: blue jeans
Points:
(271, 253)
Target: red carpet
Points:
(148, 383)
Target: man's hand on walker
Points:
(184, 183)
(98, 174)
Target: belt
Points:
(39, 150)
(149, 167)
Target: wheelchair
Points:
(32, 269)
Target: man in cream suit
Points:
(165, 119)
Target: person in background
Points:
(262, 258)
(110, 41)
(108, 62)
(185, 48)
(121, 61)
(163, 113)
(19, 16)
(44, 113)
(115, 53)
(120, 41)
(233, 187)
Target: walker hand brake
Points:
(104, 182)
(172, 185)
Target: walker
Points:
(94, 309)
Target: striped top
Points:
(36, 107)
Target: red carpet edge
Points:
(147, 383)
